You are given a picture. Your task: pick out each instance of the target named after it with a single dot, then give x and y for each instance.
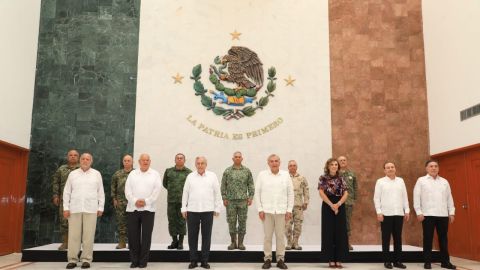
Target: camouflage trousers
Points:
(348, 213)
(121, 218)
(63, 221)
(237, 212)
(176, 222)
(293, 228)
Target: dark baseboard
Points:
(221, 256)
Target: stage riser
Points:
(220, 256)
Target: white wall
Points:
(19, 22)
(451, 31)
(177, 35)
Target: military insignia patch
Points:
(242, 68)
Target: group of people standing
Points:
(196, 197)
(434, 207)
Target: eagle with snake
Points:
(244, 68)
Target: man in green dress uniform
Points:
(351, 180)
(173, 181)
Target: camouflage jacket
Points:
(237, 184)
(60, 178)
(351, 180)
(117, 188)
(173, 181)
(300, 190)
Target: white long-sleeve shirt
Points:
(274, 192)
(83, 192)
(390, 197)
(201, 193)
(433, 197)
(143, 185)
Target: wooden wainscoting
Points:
(461, 167)
(13, 179)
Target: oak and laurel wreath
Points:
(209, 104)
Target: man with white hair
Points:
(302, 197)
(201, 200)
(83, 202)
(274, 198)
(141, 190)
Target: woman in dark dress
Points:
(333, 191)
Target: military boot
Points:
(295, 244)
(121, 243)
(233, 244)
(174, 243)
(240, 241)
(289, 243)
(64, 245)
(180, 242)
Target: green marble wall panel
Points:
(84, 98)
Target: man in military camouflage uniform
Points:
(120, 201)
(237, 193)
(58, 184)
(300, 190)
(351, 180)
(173, 181)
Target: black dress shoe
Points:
(388, 265)
(142, 265)
(427, 266)
(205, 265)
(133, 265)
(71, 265)
(192, 265)
(267, 264)
(399, 265)
(448, 265)
(85, 265)
(281, 264)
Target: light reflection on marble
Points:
(84, 98)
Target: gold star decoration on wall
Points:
(235, 35)
(289, 81)
(177, 78)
